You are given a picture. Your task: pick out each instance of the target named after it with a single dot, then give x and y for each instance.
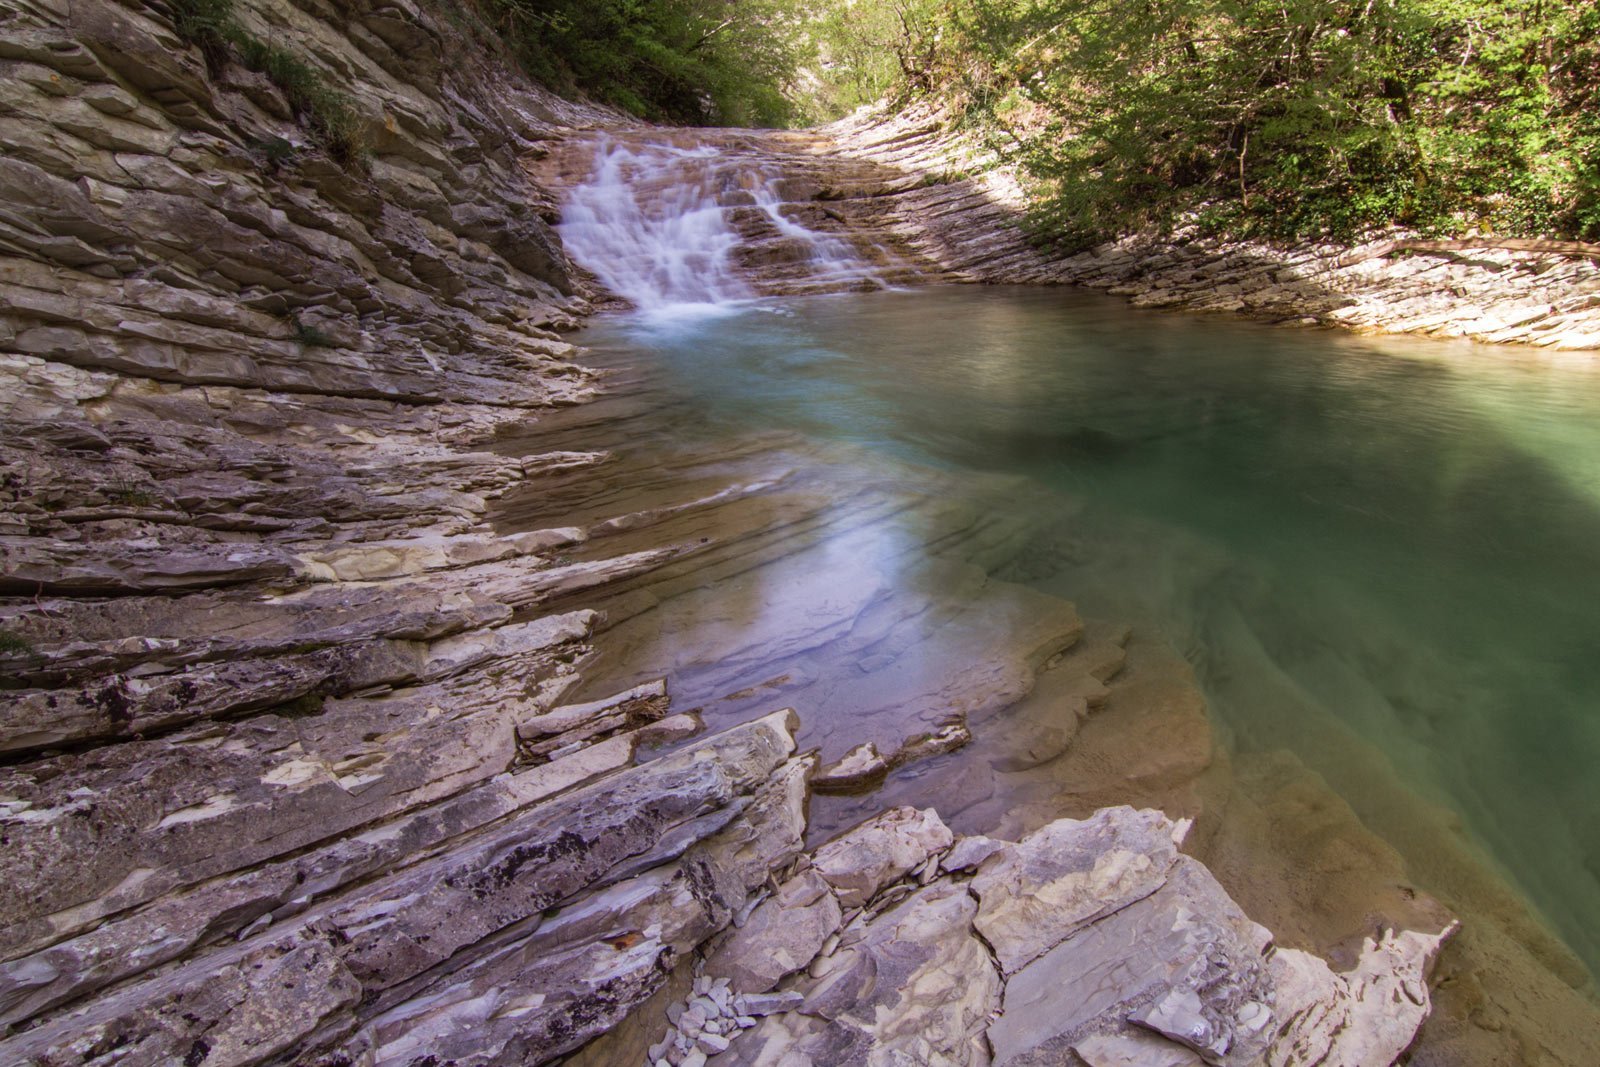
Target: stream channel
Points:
(1379, 556)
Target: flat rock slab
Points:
(1067, 875)
(1182, 961)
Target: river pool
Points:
(1395, 541)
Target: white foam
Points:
(652, 224)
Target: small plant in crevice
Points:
(327, 114)
(12, 644)
(302, 707)
(274, 151)
(133, 497)
(207, 24)
(310, 336)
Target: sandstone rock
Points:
(1133, 1050)
(968, 853)
(917, 987)
(1370, 1014)
(1183, 958)
(781, 936)
(496, 879)
(859, 769)
(1069, 874)
(879, 851)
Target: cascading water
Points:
(832, 260)
(656, 224)
(647, 225)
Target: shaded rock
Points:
(859, 769)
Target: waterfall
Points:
(660, 225)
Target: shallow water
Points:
(1395, 540)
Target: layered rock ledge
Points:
(957, 204)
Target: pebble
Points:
(770, 1003)
(711, 1044)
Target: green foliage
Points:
(12, 644)
(728, 62)
(326, 113)
(311, 336)
(133, 497)
(1275, 117)
(203, 22)
(870, 50)
(277, 151)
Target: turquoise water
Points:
(1402, 536)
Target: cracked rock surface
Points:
(1168, 972)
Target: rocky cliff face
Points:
(294, 762)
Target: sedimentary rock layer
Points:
(957, 204)
(1088, 941)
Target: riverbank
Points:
(961, 203)
(299, 761)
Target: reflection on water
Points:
(1398, 539)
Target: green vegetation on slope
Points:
(327, 114)
(1263, 117)
(699, 62)
(1276, 117)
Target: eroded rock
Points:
(879, 851)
